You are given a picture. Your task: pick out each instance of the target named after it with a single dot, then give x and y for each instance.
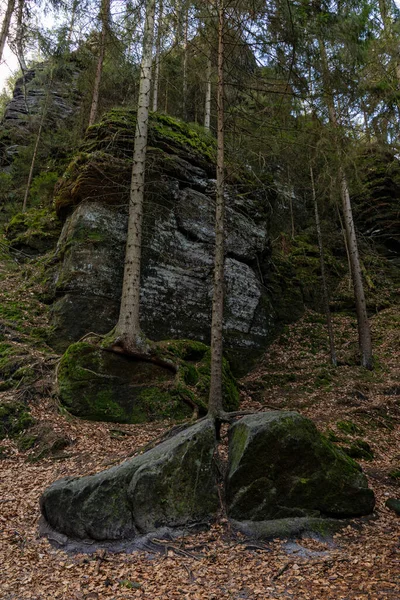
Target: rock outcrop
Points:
(280, 466)
(173, 484)
(178, 241)
(283, 478)
(107, 386)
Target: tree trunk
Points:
(215, 407)
(72, 21)
(364, 332)
(104, 17)
(19, 38)
(36, 148)
(207, 108)
(5, 28)
(157, 57)
(185, 62)
(323, 276)
(128, 333)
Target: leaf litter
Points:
(361, 562)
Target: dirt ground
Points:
(359, 563)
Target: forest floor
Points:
(348, 403)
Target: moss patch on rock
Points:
(100, 385)
(103, 166)
(35, 231)
(280, 466)
(172, 485)
(14, 419)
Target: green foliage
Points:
(14, 418)
(35, 229)
(42, 188)
(349, 427)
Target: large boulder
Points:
(280, 466)
(171, 485)
(99, 385)
(178, 246)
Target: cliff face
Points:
(178, 241)
(45, 87)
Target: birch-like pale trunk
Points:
(207, 107)
(5, 27)
(364, 332)
(72, 21)
(323, 276)
(157, 56)
(19, 37)
(128, 333)
(185, 66)
(215, 408)
(104, 17)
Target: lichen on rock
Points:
(280, 466)
(172, 485)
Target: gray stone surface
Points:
(280, 466)
(176, 278)
(171, 485)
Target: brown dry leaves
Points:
(360, 564)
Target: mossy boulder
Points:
(171, 485)
(100, 385)
(393, 504)
(35, 231)
(14, 419)
(280, 466)
(178, 240)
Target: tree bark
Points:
(207, 107)
(215, 407)
(128, 333)
(36, 148)
(19, 37)
(157, 57)
(185, 63)
(72, 21)
(5, 28)
(323, 276)
(104, 17)
(364, 332)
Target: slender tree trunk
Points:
(323, 276)
(157, 57)
(5, 28)
(364, 332)
(215, 407)
(207, 108)
(72, 21)
(19, 38)
(37, 143)
(128, 332)
(185, 63)
(104, 16)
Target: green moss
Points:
(359, 449)
(394, 474)
(101, 385)
(349, 427)
(158, 403)
(14, 418)
(36, 230)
